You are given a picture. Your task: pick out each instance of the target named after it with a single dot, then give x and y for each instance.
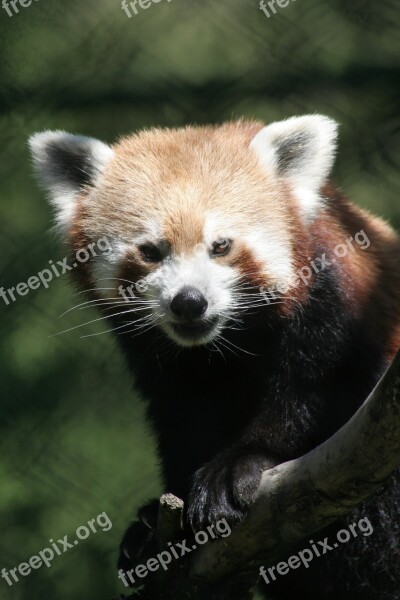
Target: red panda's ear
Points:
(300, 150)
(65, 164)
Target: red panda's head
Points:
(198, 219)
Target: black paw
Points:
(224, 489)
(139, 539)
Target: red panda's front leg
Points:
(225, 487)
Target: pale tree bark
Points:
(294, 500)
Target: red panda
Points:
(265, 305)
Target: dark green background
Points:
(72, 435)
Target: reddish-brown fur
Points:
(175, 177)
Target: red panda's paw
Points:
(223, 489)
(139, 539)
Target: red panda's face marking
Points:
(215, 261)
(203, 217)
(219, 275)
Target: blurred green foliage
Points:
(73, 438)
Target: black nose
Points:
(189, 303)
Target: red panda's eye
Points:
(221, 247)
(150, 253)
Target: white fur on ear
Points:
(302, 151)
(65, 164)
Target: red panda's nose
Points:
(189, 303)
